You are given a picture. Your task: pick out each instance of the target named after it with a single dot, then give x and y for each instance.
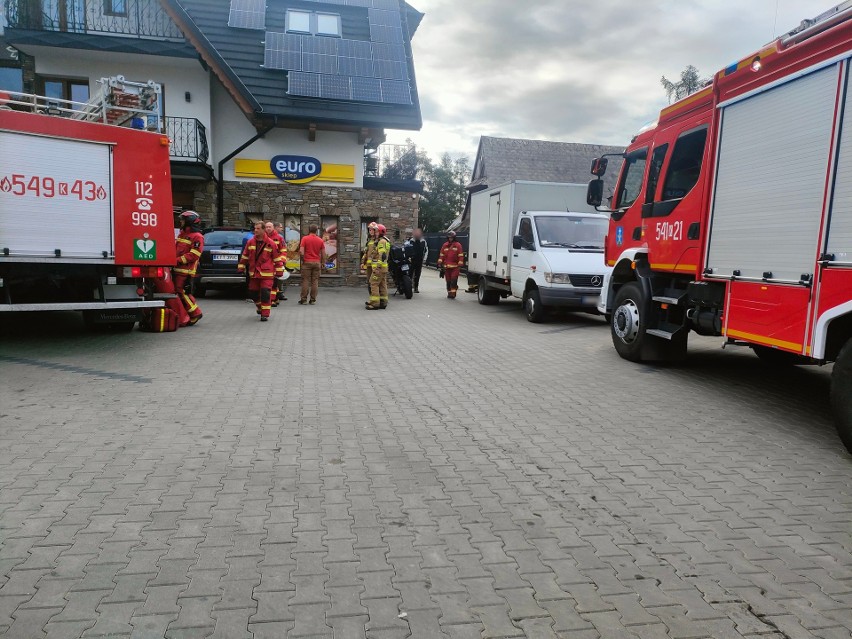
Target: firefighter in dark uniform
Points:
(189, 245)
(450, 262)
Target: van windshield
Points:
(566, 231)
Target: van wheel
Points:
(629, 322)
(533, 308)
(485, 296)
(841, 395)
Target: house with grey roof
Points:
(502, 160)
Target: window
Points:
(323, 24)
(66, 89)
(571, 232)
(298, 21)
(526, 233)
(328, 24)
(631, 180)
(685, 165)
(328, 232)
(11, 79)
(657, 160)
(115, 8)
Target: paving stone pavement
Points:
(439, 469)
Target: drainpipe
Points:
(220, 187)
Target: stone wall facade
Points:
(279, 202)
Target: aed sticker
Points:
(619, 235)
(145, 250)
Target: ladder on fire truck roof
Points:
(826, 20)
(118, 101)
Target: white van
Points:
(539, 242)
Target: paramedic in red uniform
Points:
(262, 261)
(276, 237)
(450, 262)
(189, 244)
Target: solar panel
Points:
(305, 84)
(247, 14)
(355, 66)
(394, 92)
(282, 51)
(379, 33)
(366, 89)
(354, 48)
(386, 4)
(324, 46)
(390, 70)
(385, 18)
(316, 63)
(335, 87)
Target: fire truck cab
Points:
(732, 215)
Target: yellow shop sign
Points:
(294, 170)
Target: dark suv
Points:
(223, 246)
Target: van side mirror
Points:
(517, 243)
(599, 167)
(594, 194)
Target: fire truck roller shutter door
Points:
(840, 226)
(770, 184)
(40, 174)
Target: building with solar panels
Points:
(276, 109)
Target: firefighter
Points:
(377, 262)
(189, 245)
(262, 261)
(282, 283)
(372, 229)
(276, 237)
(450, 262)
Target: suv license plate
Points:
(405, 267)
(226, 258)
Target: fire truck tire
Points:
(628, 322)
(841, 395)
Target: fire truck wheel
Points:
(841, 395)
(628, 322)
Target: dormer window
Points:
(308, 22)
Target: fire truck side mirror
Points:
(599, 167)
(594, 195)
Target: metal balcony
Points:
(188, 140)
(144, 19)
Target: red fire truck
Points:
(85, 203)
(732, 215)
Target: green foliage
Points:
(690, 82)
(444, 182)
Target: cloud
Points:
(570, 70)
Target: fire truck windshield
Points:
(571, 232)
(631, 179)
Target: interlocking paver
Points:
(480, 506)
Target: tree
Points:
(690, 82)
(445, 192)
(444, 184)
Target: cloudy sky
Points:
(573, 70)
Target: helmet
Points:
(373, 226)
(190, 218)
(451, 235)
(382, 229)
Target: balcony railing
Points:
(188, 139)
(393, 161)
(123, 18)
